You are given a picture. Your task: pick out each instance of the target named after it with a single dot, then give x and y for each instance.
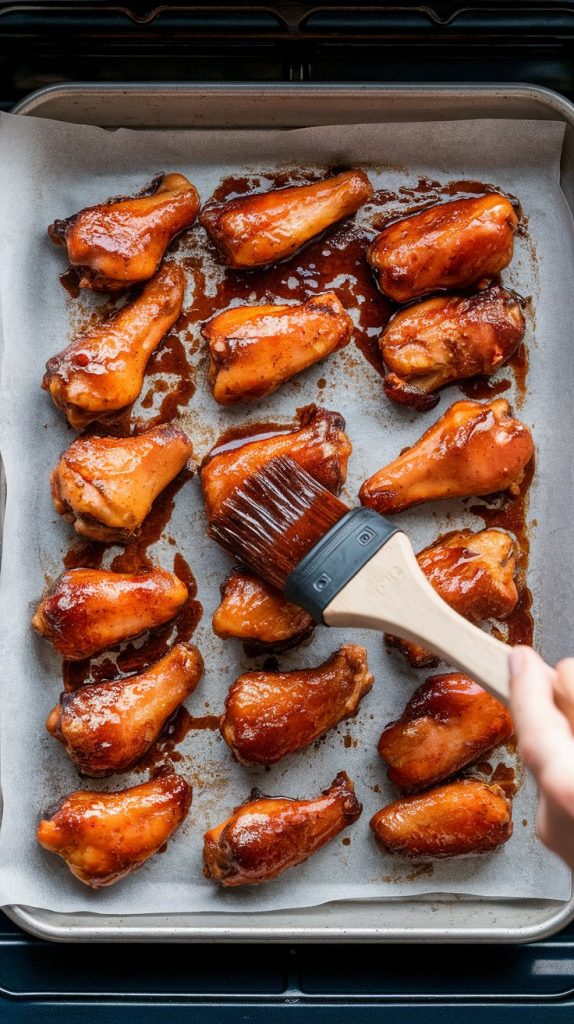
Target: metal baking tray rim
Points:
(55, 927)
(216, 106)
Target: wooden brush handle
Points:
(392, 594)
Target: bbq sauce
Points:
(505, 777)
(170, 357)
(135, 656)
(510, 514)
(163, 753)
(85, 555)
(70, 280)
(483, 387)
(244, 433)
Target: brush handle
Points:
(391, 593)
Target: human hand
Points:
(546, 742)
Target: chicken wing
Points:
(474, 448)
(474, 574)
(267, 835)
(108, 727)
(87, 610)
(452, 245)
(460, 818)
(436, 342)
(271, 714)
(255, 612)
(254, 349)
(319, 444)
(118, 243)
(264, 227)
(106, 486)
(102, 371)
(448, 723)
(105, 836)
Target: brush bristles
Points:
(274, 519)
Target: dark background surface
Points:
(481, 41)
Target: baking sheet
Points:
(50, 170)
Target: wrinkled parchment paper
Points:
(50, 170)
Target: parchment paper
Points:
(50, 170)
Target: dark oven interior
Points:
(441, 41)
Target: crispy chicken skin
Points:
(116, 244)
(102, 371)
(105, 836)
(106, 486)
(452, 245)
(464, 817)
(474, 574)
(474, 448)
(271, 714)
(449, 722)
(264, 227)
(255, 612)
(108, 727)
(319, 444)
(267, 835)
(254, 349)
(88, 610)
(445, 339)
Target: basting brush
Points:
(348, 567)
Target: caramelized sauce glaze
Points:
(70, 280)
(510, 514)
(244, 433)
(505, 777)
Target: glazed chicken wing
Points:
(267, 835)
(254, 349)
(102, 371)
(255, 612)
(270, 714)
(442, 340)
(448, 723)
(108, 727)
(452, 245)
(118, 243)
(105, 836)
(87, 610)
(318, 444)
(106, 486)
(474, 574)
(474, 448)
(465, 817)
(265, 227)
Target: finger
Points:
(539, 723)
(564, 688)
(554, 829)
(556, 779)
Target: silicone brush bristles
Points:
(275, 518)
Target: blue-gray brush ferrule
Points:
(335, 559)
